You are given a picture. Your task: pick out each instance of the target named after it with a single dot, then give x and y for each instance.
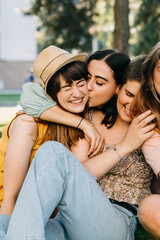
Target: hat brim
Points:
(82, 57)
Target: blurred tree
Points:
(105, 23)
(121, 29)
(64, 23)
(147, 23)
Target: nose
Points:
(90, 84)
(76, 92)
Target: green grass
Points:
(141, 234)
(9, 98)
(1, 127)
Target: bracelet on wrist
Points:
(115, 149)
(80, 122)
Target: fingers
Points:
(140, 130)
(148, 135)
(144, 118)
(149, 128)
(92, 146)
(96, 147)
(143, 115)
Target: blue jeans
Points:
(57, 178)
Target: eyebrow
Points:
(97, 76)
(65, 86)
(78, 81)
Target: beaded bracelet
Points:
(79, 122)
(115, 149)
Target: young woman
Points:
(124, 182)
(58, 179)
(105, 68)
(149, 210)
(22, 137)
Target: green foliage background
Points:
(147, 23)
(72, 24)
(64, 23)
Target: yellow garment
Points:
(42, 127)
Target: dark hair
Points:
(134, 71)
(147, 97)
(58, 132)
(117, 62)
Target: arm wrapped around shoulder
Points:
(34, 100)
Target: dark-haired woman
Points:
(84, 210)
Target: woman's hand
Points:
(94, 138)
(140, 130)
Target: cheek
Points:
(108, 92)
(157, 83)
(62, 99)
(104, 91)
(106, 96)
(121, 100)
(85, 91)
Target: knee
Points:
(149, 214)
(52, 153)
(50, 148)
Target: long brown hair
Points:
(57, 132)
(147, 97)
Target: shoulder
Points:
(153, 141)
(24, 118)
(25, 123)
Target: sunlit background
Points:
(18, 49)
(28, 26)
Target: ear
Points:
(117, 89)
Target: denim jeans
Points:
(57, 178)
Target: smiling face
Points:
(125, 98)
(156, 77)
(101, 83)
(73, 97)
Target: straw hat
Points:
(50, 60)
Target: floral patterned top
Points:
(129, 181)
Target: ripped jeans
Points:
(57, 179)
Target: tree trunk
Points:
(121, 30)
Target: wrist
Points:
(84, 125)
(123, 149)
(78, 126)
